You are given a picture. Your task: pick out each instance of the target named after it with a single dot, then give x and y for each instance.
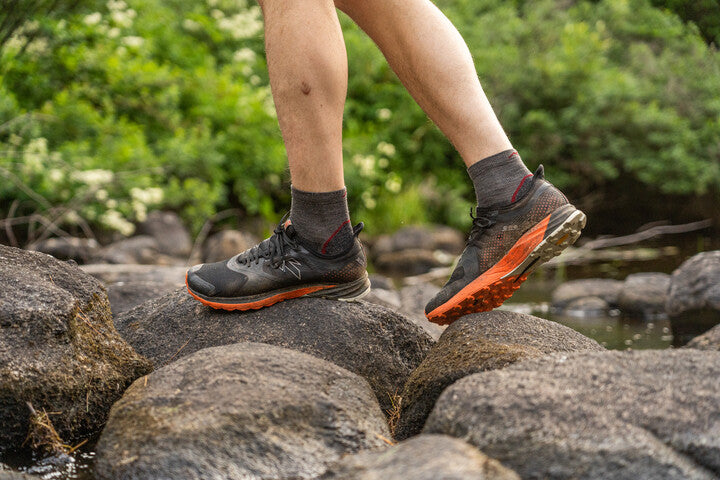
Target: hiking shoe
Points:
(279, 268)
(506, 243)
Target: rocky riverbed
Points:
(120, 355)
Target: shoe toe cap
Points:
(197, 284)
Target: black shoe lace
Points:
(272, 248)
(481, 220)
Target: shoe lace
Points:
(482, 220)
(272, 248)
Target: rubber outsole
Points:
(344, 292)
(497, 284)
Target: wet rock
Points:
(369, 340)
(67, 248)
(411, 262)
(476, 343)
(606, 289)
(109, 274)
(413, 299)
(587, 307)
(709, 340)
(421, 238)
(226, 244)
(58, 348)
(695, 285)
(644, 294)
(168, 230)
(239, 411)
(425, 457)
(590, 415)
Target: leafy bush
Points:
(125, 107)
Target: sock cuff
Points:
(481, 167)
(318, 197)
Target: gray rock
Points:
(10, 475)
(142, 249)
(226, 244)
(413, 299)
(587, 307)
(476, 343)
(420, 238)
(590, 415)
(237, 412)
(168, 230)
(411, 262)
(386, 298)
(425, 457)
(369, 340)
(67, 248)
(644, 294)
(58, 348)
(695, 285)
(381, 282)
(125, 296)
(109, 274)
(709, 340)
(607, 289)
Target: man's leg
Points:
(316, 252)
(521, 219)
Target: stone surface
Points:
(226, 244)
(237, 412)
(420, 238)
(369, 340)
(67, 248)
(476, 343)
(425, 457)
(644, 294)
(709, 340)
(587, 307)
(590, 415)
(58, 347)
(142, 249)
(695, 285)
(10, 475)
(168, 230)
(109, 274)
(606, 289)
(125, 296)
(411, 262)
(413, 299)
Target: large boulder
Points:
(59, 350)
(168, 230)
(142, 249)
(226, 244)
(415, 250)
(695, 285)
(237, 412)
(605, 289)
(374, 342)
(67, 248)
(709, 340)
(632, 415)
(644, 294)
(413, 299)
(425, 457)
(476, 343)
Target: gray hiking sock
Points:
(322, 220)
(499, 179)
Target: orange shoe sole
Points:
(497, 284)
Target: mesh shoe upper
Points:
(278, 262)
(495, 230)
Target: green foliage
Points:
(119, 108)
(704, 13)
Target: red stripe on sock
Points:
(513, 154)
(325, 245)
(521, 184)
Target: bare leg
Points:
(433, 62)
(307, 63)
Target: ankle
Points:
(322, 220)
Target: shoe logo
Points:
(291, 266)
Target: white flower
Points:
(114, 220)
(35, 154)
(244, 55)
(255, 80)
(217, 14)
(244, 24)
(393, 184)
(367, 199)
(113, 32)
(55, 175)
(121, 18)
(366, 163)
(93, 178)
(133, 42)
(147, 196)
(101, 194)
(92, 19)
(191, 25)
(140, 211)
(387, 149)
(384, 114)
(116, 5)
